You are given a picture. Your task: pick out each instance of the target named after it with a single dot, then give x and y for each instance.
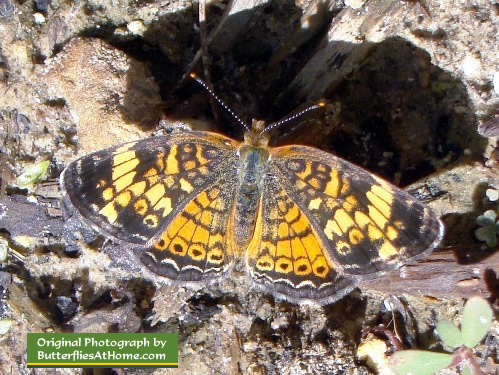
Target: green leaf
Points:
(441, 86)
(487, 234)
(466, 371)
(33, 174)
(488, 217)
(450, 334)
(476, 321)
(418, 362)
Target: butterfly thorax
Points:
(253, 164)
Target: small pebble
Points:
(4, 249)
(39, 18)
(136, 27)
(355, 4)
(121, 31)
(492, 194)
(471, 67)
(5, 325)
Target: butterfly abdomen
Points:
(248, 194)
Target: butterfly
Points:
(304, 224)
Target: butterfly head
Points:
(256, 135)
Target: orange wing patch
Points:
(288, 244)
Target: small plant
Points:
(476, 321)
(33, 174)
(489, 228)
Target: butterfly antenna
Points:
(224, 106)
(274, 125)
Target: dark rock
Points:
(6, 9)
(42, 5)
(65, 308)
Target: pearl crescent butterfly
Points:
(305, 224)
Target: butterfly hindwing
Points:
(194, 244)
(288, 258)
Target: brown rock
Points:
(112, 97)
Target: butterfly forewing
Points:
(367, 226)
(133, 191)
